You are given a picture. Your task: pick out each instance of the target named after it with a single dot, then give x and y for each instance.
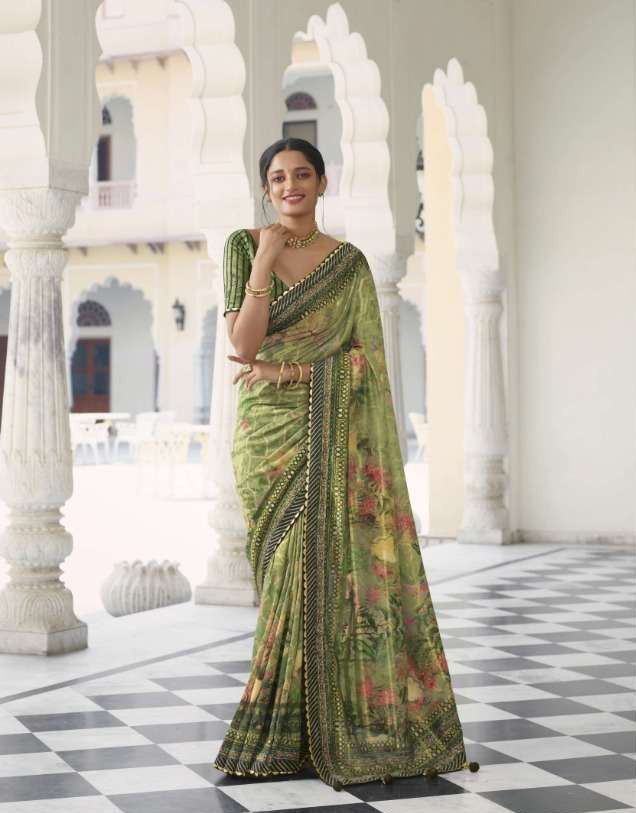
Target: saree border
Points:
(436, 743)
(330, 385)
(278, 511)
(314, 290)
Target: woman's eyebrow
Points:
(276, 171)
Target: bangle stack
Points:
(291, 382)
(280, 374)
(258, 292)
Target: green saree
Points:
(348, 667)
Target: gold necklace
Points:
(303, 242)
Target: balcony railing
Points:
(112, 195)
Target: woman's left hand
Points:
(260, 371)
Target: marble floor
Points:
(541, 644)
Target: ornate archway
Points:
(205, 32)
(368, 219)
(365, 125)
(456, 129)
(132, 343)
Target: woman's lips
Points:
(293, 198)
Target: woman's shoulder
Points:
(357, 253)
(243, 240)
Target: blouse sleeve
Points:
(237, 266)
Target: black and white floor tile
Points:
(542, 653)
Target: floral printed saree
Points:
(348, 668)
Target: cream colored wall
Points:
(444, 333)
(163, 205)
(575, 131)
(177, 273)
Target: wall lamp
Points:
(178, 309)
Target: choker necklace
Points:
(302, 242)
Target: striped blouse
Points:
(238, 256)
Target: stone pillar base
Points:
(234, 596)
(488, 536)
(20, 642)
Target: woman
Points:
(348, 669)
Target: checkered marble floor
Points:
(542, 653)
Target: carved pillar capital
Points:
(39, 215)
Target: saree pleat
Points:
(348, 666)
(267, 735)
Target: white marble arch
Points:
(364, 194)
(109, 281)
(205, 30)
(471, 194)
(365, 124)
(133, 385)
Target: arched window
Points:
(92, 314)
(301, 101)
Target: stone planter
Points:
(136, 586)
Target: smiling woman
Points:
(348, 669)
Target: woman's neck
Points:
(299, 226)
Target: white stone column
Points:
(229, 577)
(485, 517)
(464, 124)
(387, 272)
(49, 119)
(36, 475)
(200, 360)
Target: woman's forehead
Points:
(289, 159)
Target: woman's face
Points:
(293, 184)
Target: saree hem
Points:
(237, 767)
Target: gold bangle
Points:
(265, 288)
(253, 290)
(292, 382)
(280, 374)
(249, 292)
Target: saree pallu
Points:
(348, 667)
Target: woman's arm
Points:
(248, 327)
(271, 371)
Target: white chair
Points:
(420, 426)
(126, 434)
(89, 436)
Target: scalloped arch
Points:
(469, 194)
(472, 163)
(365, 125)
(110, 281)
(205, 30)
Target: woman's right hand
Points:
(272, 240)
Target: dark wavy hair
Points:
(311, 153)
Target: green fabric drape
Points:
(348, 666)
